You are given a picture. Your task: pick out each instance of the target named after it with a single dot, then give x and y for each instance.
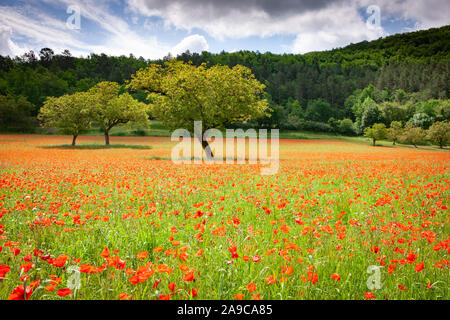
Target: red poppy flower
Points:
(188, 276)
(64, 292)
(336, 277)
(420, 266)
(369, 295)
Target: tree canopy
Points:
(376, 132)
(181, 93)
(110, 109)
(69, 113)
(403, 74)
(439, 133)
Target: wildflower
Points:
(193, 293)
(419, 266)
(64, 292)
(105, 252)
(271, 279)
(336, 277)
(188, 276)
(19, 293)
(251, 287)
(124, 296)
(142, 255)
(369, 295)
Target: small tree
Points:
(439, 133)
(395, 131)
(69, 113)
(111, 109)
(413, 135)
(377, 132)
(182, 93)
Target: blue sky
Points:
(153, 28)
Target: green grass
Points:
(376, 200)
(157, 129)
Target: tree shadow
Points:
(97, 146)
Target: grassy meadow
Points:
(340, 220)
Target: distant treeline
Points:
(304, 91)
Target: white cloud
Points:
(319, 25)
(332, 28)
(193, 43)
(40, 30)
(316, 24)
(7, 46)
(426, 14)
(37, 29)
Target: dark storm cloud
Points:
(273, 8)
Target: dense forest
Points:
(398, 78)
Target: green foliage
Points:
(435, 109)
(422, 120)
(377, 132)
(334, 124)
(69, 113)
(439, 133)
(346, 127)
(444, 111)
(318, 110)
(181, 93)
(403, 69)
(294, 122)
(15, 113)
(413, 135)
(393, 111)
(395, 131)
(370, 115)
(109, 109)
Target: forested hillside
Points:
(310, 91)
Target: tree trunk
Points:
(74, 140)
(374, 142)
(107, 138)
(393, 142)
(208, 151)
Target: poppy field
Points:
(340, 220)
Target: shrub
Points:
(346, 126)
(377, 132)
(395, 131)
(413, 135)
(439, 133)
